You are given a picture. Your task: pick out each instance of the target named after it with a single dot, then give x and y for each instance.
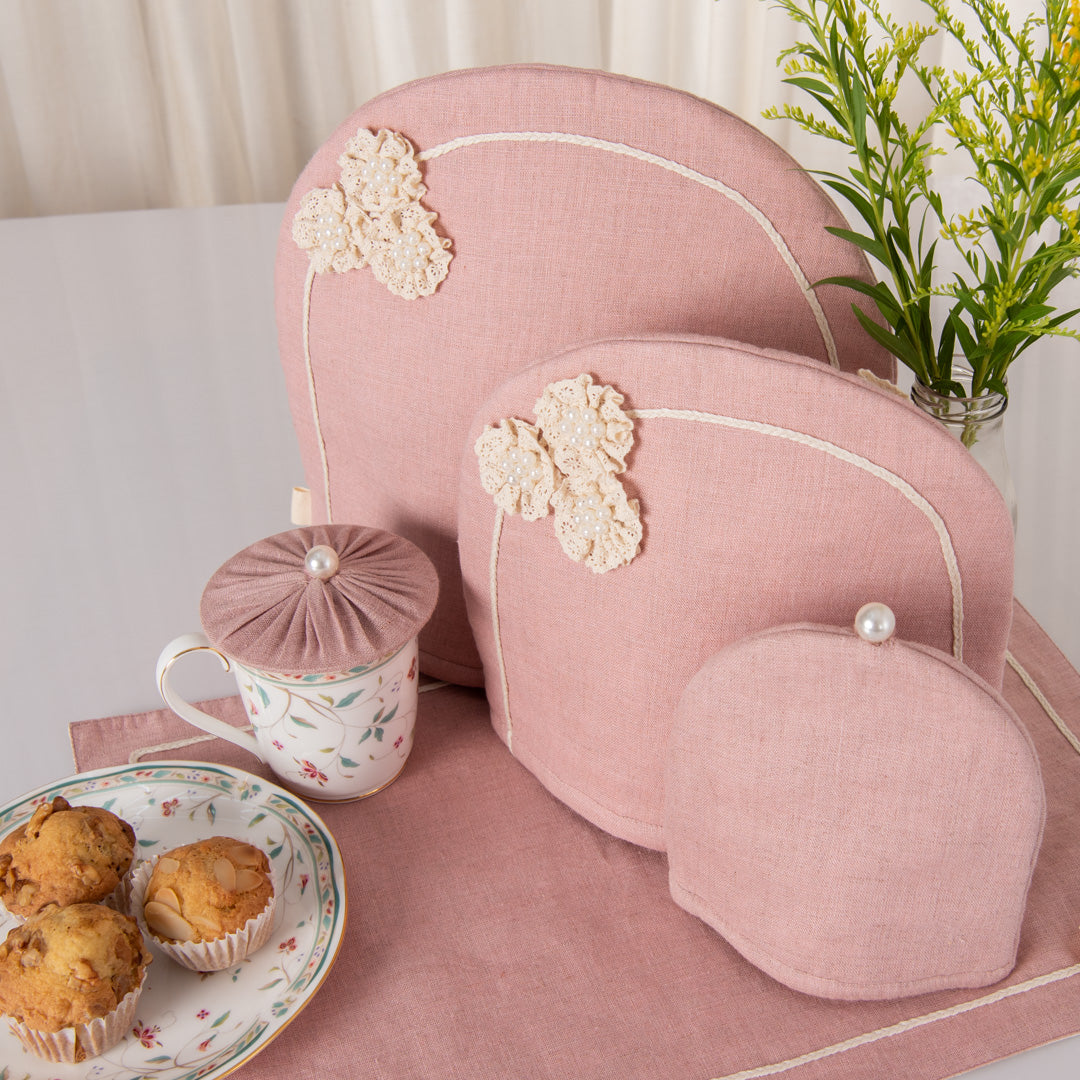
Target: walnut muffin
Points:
(208, 904)
(70, 979)
(64, 855)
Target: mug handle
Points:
(182, 646)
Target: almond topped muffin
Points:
(70, 978)
(64, 855)
(209, 903)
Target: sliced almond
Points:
(167, 923)
(246, 880)
(225, 873)
(210, 928)
(84, 970)
(245, 855)
(167, 897)
(167, 865)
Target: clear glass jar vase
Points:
(977, 422)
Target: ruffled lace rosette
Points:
(569, 462)
(373, 217)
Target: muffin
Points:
(70, 980)
(64, 855)
(207, 904)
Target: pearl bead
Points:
(322, 562)
(875, 623)
(423, 248)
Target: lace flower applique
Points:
(596, 523)
(585, 427)
(380, 172)
(569, 461)
(407, 255)
(374, 217)
(332, 230)
(516, 469)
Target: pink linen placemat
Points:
(494, 933)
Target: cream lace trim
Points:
(587, 431)
(516, 468)
(568, 462)
(374, 217)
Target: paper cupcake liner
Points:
(213, 955)
(72, 1044)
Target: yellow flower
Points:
(1034, 164)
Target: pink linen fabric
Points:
(749, 522)
(492, 932)
(863, 835)
(554, 243)
(263, 608)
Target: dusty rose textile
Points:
(863, 835)
(492, 932)
(554, 242)
(772, 490)
(264, 609)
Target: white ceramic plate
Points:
(191, 1025)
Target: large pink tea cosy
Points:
(456, 229)
(860, 820)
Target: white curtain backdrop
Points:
(130, 104)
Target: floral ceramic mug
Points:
(330, 737)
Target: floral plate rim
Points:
(325, 905)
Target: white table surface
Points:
(145, 437)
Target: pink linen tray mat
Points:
(492, 932)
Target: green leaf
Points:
(1030, 313)
(812, 85)
(367, 734)
(855, 197)
(142, 843)
(897, 346)
(211, 812)
(256, 819)
(264, 695)
(867, 243)
(388, 717)
(348, 763)
(378, 734)
(967, 340)
(301, 722)
(348, 699)
(858, 116)
(221, 1019)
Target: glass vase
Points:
(979, 423)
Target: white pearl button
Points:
(875, 623)
(322, 562)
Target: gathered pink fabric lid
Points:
(319, 600)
